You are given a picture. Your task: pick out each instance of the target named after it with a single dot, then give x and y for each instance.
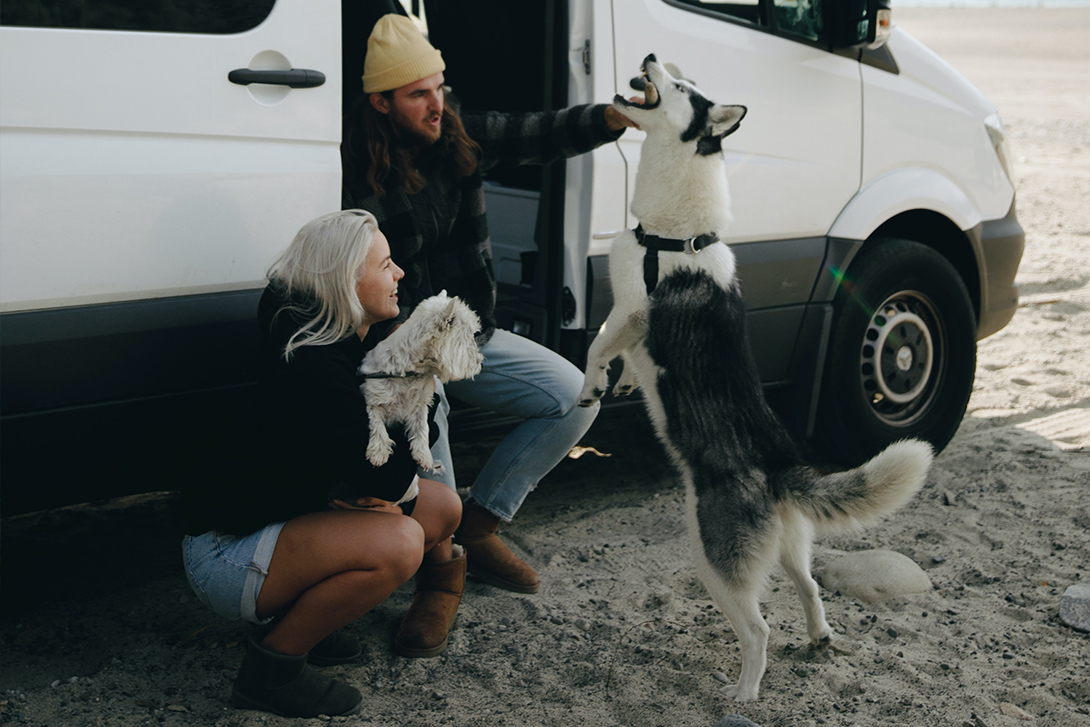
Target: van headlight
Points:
(998, 135)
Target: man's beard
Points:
(410, 135)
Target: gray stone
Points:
(735, 720)
(1075, 606)
(873, 575)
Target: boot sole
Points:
(241, 701)
(494, 580)
(411, 653)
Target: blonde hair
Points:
(317, 275)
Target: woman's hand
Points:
(371, 504)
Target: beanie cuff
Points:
(410, 71)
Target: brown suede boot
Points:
(423, 631)
(489, 559)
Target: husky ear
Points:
(725, 119)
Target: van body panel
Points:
(930, 117)
(794, 163)
(1000, 244)
(75, 357)
(143, 172)
(104, 217)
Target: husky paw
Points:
(594, 386)
(590, 399)
(435, 468)
(736, 693)
(626, 383)
(822, 639)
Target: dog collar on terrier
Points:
(654, 243)
(383, 375)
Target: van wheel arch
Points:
(938, 232)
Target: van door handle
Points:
(296, 77)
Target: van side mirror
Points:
(860, 23)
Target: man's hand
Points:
(615, 120)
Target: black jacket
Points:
(306, 435)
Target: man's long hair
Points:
(374, 150)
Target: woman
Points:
(292, 528)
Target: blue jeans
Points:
(523, 379)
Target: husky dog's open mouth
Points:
(645, 84)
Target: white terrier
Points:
(435, 342)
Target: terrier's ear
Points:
(725, 119)
(449, 312)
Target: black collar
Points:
(689, 245)
(384, 375)
(654, 243)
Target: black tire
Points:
(902, 353)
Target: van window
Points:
(800, 19)
(748, 10)
(218, 17)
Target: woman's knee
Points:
(450, 504)
(403, 550)
(444, 505)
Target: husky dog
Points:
(399, 373)
(750, 500)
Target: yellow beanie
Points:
(397, 55)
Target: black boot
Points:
(284, 684)
(337, 648)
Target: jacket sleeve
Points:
(513, 139)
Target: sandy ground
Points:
(622, 632)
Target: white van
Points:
(155, 158)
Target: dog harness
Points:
(654, 243)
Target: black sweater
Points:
(306, 435)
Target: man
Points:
(415, 163)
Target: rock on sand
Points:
(1075, 606)
(873, 575)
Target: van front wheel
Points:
(902, 354)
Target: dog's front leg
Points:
(621, 331)
(379, 444)
(417, 428)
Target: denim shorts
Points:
(227, 571)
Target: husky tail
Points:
(847, 501)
